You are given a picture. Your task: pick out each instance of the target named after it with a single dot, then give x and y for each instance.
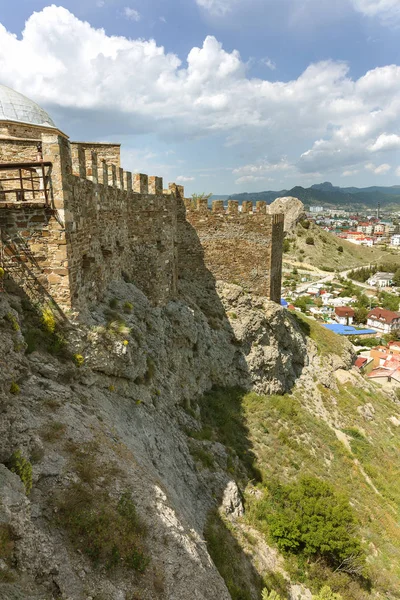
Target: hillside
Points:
(326, 194)
(324, 252)
(140, 442)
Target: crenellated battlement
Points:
(233, 208)
(103, 223)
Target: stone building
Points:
(72, 220)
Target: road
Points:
(331, 276)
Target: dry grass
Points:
(325, 253)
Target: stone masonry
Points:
(103, 223)
(242, 247)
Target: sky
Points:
(223, 96)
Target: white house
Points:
(344, 315)
(381, 280)
(395, 240)
(384, 320)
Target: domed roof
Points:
(16, 107)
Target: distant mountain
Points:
(326, 194)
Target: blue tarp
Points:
(348, 330)
(283, 302)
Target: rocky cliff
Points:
(98, 416)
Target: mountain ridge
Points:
(326, 194)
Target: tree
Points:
(202, 196)
(309, 517)
(389, 301)
(327, 594)
(302, 302)
(396, 278)
(360, 315)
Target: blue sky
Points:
(221, 95)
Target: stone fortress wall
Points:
(104, 223)
(243, 247)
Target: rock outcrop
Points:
(291, 207)
(116, 418)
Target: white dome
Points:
(16, 107)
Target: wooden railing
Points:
(25, 182)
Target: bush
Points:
(105, 529)
(14, 388)
(309, 517)
(286, 245)
(79, 360)
(11, 319)
(327, 594)
(310, 241)
(23, 468)
(128, 307)
(305, 224)
(48, 320)
(340, 249)
(113, 303)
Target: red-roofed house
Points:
(344, 315)
(361, 362)
(384, 320)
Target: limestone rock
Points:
(367, 411)
(299, 592)
(232, 502)
(292, 208)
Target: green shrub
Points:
(310, 241)
(113, 303)
(128, 307)
(309, 517)
(202, 456)
(53, 431)
(305, 224)
(340, 249)
(266, 595)
(23, 468)
(11, 319)
(327, 594)
(14, 388)
(48, 320)
(107, 530)
(286, 245)
(79, 360)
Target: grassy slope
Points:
(285, 437)
(324, 252)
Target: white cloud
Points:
(184, 179)
(251, 179)
(385, 142)
(268, 63)
(322, 121)
(398, 171)
(387, 10)
(261, 169)
(378, 170)
(131, 14)
(217, 7)
(349, 173)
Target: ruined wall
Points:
(34, 248)
(104, 223)
(239, 247)
(110, 153)
(119, 225)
